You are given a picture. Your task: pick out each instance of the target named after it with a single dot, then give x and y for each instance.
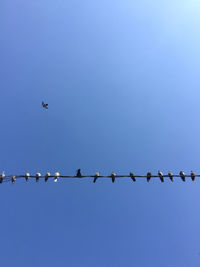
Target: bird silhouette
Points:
(44, 105)
(38, 175)
(132, 176)
(160, 174)
(96, 176)
(113, 175)
(27, 175)
(78, 173)
(148, 176)
(47, 176)
(2, 176)
(182, 175)
(13, 179)
(56, 176)
(170, 174)
(192, 176)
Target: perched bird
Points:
(113, 175)
(78, 173)
(56, 176)
(47, 176)
(132, 176)
(2, 176)
(13, 179)
(27, 175)
(170, 174)
(160, 174)
(37, 177)
(148, 176)
(192, 176)
(96, 177)
(182, 175)
(44, 105)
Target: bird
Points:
(78, 173)
(160, 174)
(37, 177)
(170, 174)
(13, 179)
(96, 177)
(47, 176)
(132, 176)
(56, 176)
(27, 175)
(182, 175)
(192, 176)
(2, 176)
(148, 176)
(113, 175)
(44, 105)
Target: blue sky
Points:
(122, 82)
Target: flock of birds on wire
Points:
(113, 176)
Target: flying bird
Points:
(44, 105)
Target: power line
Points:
(113, 176)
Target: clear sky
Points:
(122, 79)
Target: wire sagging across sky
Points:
(113, 176)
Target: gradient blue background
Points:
(122, 81)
